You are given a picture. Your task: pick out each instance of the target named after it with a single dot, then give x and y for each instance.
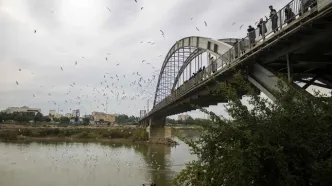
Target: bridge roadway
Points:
(300, 49)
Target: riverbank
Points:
(11, 133)
(73, 133)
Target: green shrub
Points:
(288, 142)
(8, 135)
(140, 135)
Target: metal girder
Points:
(311, 58)
(272, 56)
(192, 56)
(173, 62)
(308, 83)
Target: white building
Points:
(11, 110)
(54, 114)
(183, 117)
(68, 115)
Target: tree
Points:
(287, 142)
(189, 121)
(86, 121)
(38, 117)
(124, 119)
(64, 120)
(171, 121)
(56, 120)
(46, 119)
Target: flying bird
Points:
(52, 11)
(234, 23)
(19, 69)
(61, 68)
(143, 61)
(142, 8)
(136, 1)
(162, 33)
(197, 29)
(106, 58)
(118, 64)
(35, 31)
(108, 9)
(16, 83)
(241, 27)
(191, 18)
(75, 62)
(205, 23)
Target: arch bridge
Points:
(299, 47)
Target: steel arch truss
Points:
(178, 58)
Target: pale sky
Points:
(88, 32)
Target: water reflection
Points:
(64, 163)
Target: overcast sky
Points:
(88, 32)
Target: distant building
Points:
(54, 114)
(183, 117)
(11, 110)
(75, 113)
(103, 117)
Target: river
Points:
(86, 164)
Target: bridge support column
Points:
(265, 80)
(157, 130)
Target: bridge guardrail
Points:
(298, 7)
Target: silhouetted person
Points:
(274, 19)
(289, 14)
(251, 35)
(203, 74)
(262, 27)
(213, 64)
(236, 48)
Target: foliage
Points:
(64, 120)
(287, 142)
(136, 134)
(124, 119)
(86, 121)
(46, 119)
(23, 117)
(38, 117)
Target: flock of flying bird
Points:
(110, 86)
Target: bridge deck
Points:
(245, 51)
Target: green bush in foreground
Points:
(288, 142)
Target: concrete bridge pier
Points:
(157, 130)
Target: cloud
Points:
(68, 30)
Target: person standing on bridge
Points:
(262, 27)
(213, 64)
(251, 35)
(274, 19)
(289, 14)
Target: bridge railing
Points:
(298, 7)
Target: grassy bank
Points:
(74, 133)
